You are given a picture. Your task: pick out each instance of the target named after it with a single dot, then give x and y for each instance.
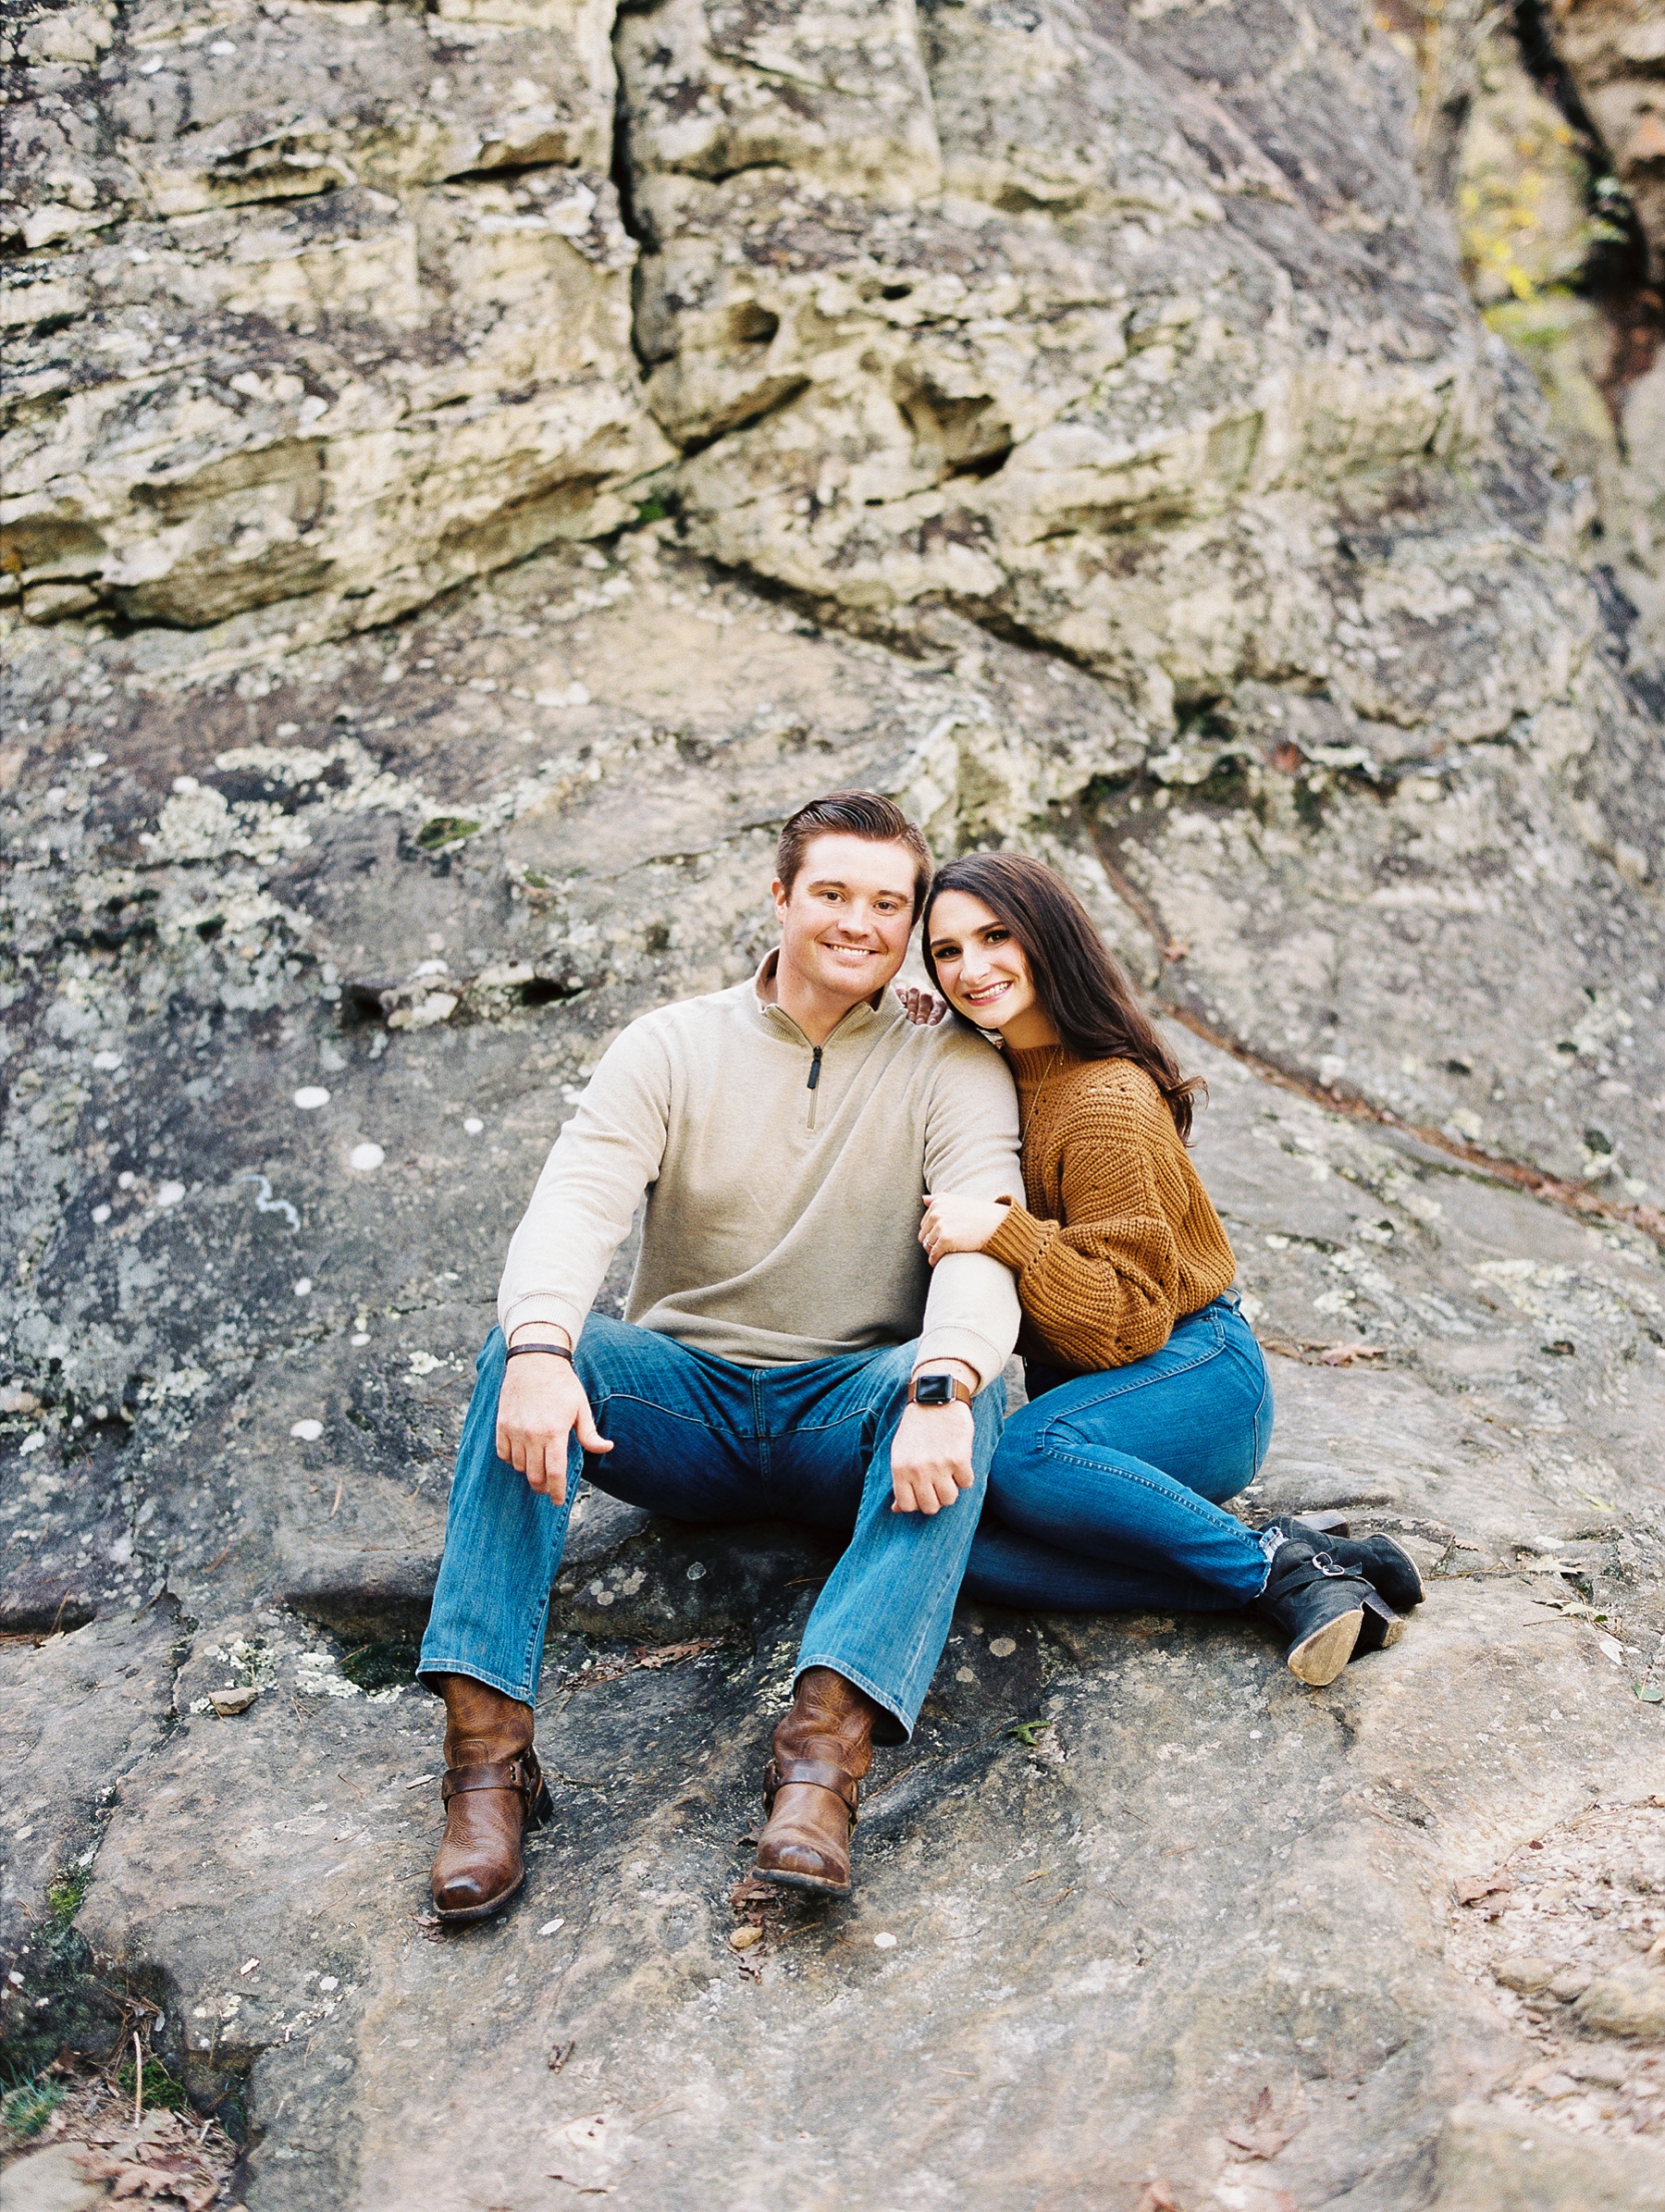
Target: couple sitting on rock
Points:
(792, 1353)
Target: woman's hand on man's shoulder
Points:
(923, 1008)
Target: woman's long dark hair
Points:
(1084, 993)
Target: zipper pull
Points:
(815, 1054)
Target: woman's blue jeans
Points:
(701, 1439)
(1103, 1496)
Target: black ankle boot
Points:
(1381, 1628)
(1319, 1604)
(1389, 1570)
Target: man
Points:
(788, 1351)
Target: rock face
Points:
(1557, 228)
(1615, 53)
(1071, 422)
(326, 304)
(1158, 1912)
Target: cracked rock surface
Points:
(473, 471)
(312, 961)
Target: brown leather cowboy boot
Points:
(493, 1792)
(823, 1748)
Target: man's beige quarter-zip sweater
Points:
(783, 1185)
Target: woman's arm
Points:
(1102, 1294)
(1100, 1284)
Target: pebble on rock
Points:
(229, 1701)
(310, 1096)
(308, 1431)
(744, 1938)
(1525, 1973)
(1630, 2002)
(366, 1157)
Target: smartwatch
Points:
(939, 1389)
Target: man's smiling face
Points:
(846, 922)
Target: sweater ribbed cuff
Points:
(1020, 1238)
(562, 1313)
(954, 1343)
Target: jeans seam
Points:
(1189, 1501)
(1147, 1382)
(1260, 1449)
(599, 1403)
(860, 1412)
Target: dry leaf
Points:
(1475, 1886)
(667, 1655)
(750, 1891)
(1257, 2142)
(1260, 2136)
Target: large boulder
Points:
(1075, 424)
(329, 305)
(312, 961)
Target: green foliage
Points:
(379, 1666)
(443, 830)
(25, 2110)
(160, 2088)
(1028, 1732)
(651, 510)
(64, 1897)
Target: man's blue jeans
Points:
(701, 1439)
(1105, 1492)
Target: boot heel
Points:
(1381, 1628)
(1317, 1659)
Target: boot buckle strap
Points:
(818, 1773)
(1328, 1565)
(503, 1773)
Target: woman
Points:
(1149, 1399)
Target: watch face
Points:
(934, 1390)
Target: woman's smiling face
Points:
(983, 970)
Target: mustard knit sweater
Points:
(1120, 1239)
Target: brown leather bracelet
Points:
(559, 1350)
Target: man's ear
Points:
(778, 893)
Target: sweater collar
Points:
(1041, 1060)
(862, 1014)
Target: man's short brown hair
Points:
(853, 814)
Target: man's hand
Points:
(540, 1405)
(957, 1224)
(931, 1452)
